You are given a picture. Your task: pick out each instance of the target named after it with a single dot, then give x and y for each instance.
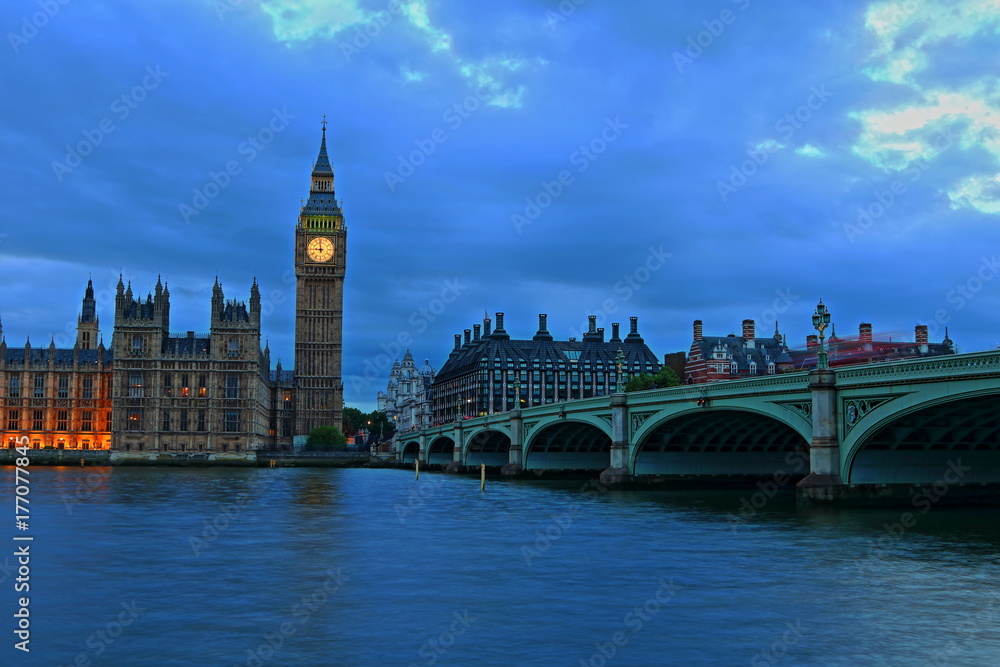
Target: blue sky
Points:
(669, 160)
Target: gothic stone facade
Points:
(185, 392)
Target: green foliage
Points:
(326, 439)
(665, 378)
(640, 382)
(380, 424)
(354, 421)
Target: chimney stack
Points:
(697, 330)
(486, 327)
(468, 336)
(614, 333)
(633, 335)
(543, 332)
(475, 332)
(749, 333)
(865, 332)
(812, 340)
(920, 335)
(600, 333)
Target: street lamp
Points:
(458, 409)
(619, 362)
(517, 393)
(469, 410)
(821, 320)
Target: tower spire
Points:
(322, 166)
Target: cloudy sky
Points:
(672, 160)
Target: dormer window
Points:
(753, 368)
(770, 368)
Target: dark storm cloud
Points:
(612, 142)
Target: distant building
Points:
(407, 400)
(59, 398)
(482, 370)
(717, 358)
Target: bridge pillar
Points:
(515, 459)
(422, 448)
(619, 470)
(823, 481)
(456, 459)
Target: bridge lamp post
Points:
(619, 362)
(517, 393)
(458, 409)
(821, 320)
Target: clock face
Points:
(320, 249)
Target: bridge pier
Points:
(619, 471)
(515, 455)
(823, 483)
(456, 452)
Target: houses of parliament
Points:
(157, 391)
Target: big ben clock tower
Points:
(320, 263)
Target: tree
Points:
(326, 439)
(640, 382)
(354, 421)
(379, 425)
(665, 378)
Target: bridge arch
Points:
(409, 451)
(568, 444)
(921, 438)
(441, 450)
(726, 441)
(489, 446)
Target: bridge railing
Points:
(955, 365)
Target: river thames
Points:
(325, 567)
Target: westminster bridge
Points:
(859, 431)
